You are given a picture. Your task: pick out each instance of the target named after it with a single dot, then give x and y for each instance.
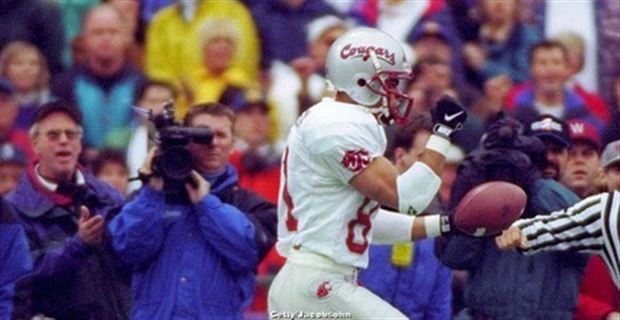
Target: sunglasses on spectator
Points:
(54, 135)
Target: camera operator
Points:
(196, 260)
(64, 210)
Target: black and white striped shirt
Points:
(591, 225)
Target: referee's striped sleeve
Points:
(579, 227)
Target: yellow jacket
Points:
(209, 88)
(173, 50)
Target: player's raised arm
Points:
(412, 191)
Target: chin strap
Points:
(383, 112)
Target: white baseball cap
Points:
(317, 27)
(611, 154)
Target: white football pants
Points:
(314, 286)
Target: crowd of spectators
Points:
(78, 77)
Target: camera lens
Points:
(176, 162)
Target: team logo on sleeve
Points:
(356, 160)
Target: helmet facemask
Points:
(391, 86)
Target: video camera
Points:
(82, 195)
(174, 161)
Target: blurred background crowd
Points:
(265, 59)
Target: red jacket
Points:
(598, 295)
(266, 182)
(595, 103)
(21, 139)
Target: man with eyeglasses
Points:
(64, 211)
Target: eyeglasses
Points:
(54, 135)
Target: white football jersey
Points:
(317, 208)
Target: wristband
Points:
(432, 226)
(438, 144)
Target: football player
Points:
(334, 180)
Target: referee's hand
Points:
(511, 239)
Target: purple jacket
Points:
(69, 280)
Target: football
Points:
(490, 208)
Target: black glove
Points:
(447, 224)
(448, 116)
(448, 227)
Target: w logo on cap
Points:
(577, 128)
(585, 131)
